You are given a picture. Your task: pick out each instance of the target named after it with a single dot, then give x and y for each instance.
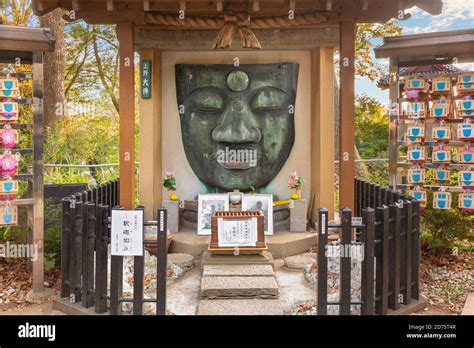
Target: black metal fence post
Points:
(416, 250)
(345, 263)
(406, 282)
(102, 242)
(394, 258)
(161, 261)
(88, 262)
(322, 261)
(65, 247)
(382, 253)
(367, 283)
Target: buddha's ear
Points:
(181, 88)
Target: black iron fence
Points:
(85, 244)
(389, 236)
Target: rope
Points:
(255, 23)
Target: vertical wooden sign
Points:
(145, 79)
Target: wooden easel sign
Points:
(419, 195)
(441, 84)
(416, 176)
(466, 131)
(442, 200)
(9, 84)
(416, 154)
(8, 187)
(466, 202)
(9, 216)
(441, 156)
(466, 179)
(466, 155)
(417, 83)
(238, 229)
(442, 175)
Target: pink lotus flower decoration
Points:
(8, 138)
(8, 165)
(412, 94)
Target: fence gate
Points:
(85, 242)
(390, 238)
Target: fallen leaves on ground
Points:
(447, 280)
(16, 282)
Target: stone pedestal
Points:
(298, 215)
(173, 215)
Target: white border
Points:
(248, 198)
(209, 196)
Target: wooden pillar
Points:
(322, 130)
(151, 171)
(38, 190)
(347, 124)
(394, 110)
(127, 115)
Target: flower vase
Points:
(298, 193)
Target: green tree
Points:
(366, 37)
(371, 128)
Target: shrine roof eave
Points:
(20, 42)
(164, 13)
(447, 47)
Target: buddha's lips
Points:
(237, 165)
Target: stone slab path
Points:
(239, 290)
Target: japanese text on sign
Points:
(127, 233)
(145, 83)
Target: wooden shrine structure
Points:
(20, 45)
(317, 26)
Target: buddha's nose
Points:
(238, 125)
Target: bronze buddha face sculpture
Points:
(237, 122)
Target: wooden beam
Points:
(322, 130)
(38, 188)
(393, 109)
(182, 5)
(365, 5)
(150, 189)
(146, 5)
(256, 5)
(328, 5)
(75, 5)
(219, 6)
(110, 5)
(347, 109)
(127, 115)
(292, 5)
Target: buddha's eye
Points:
(268, 99)
(206, 100)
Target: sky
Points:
(457, 14)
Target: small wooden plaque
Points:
(9, 216)
(248, 215)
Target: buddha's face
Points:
(237, 123)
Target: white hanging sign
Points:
(127, 233)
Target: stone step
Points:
(239, 287)
(240, 307)
(238, 271)
(208, 258)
